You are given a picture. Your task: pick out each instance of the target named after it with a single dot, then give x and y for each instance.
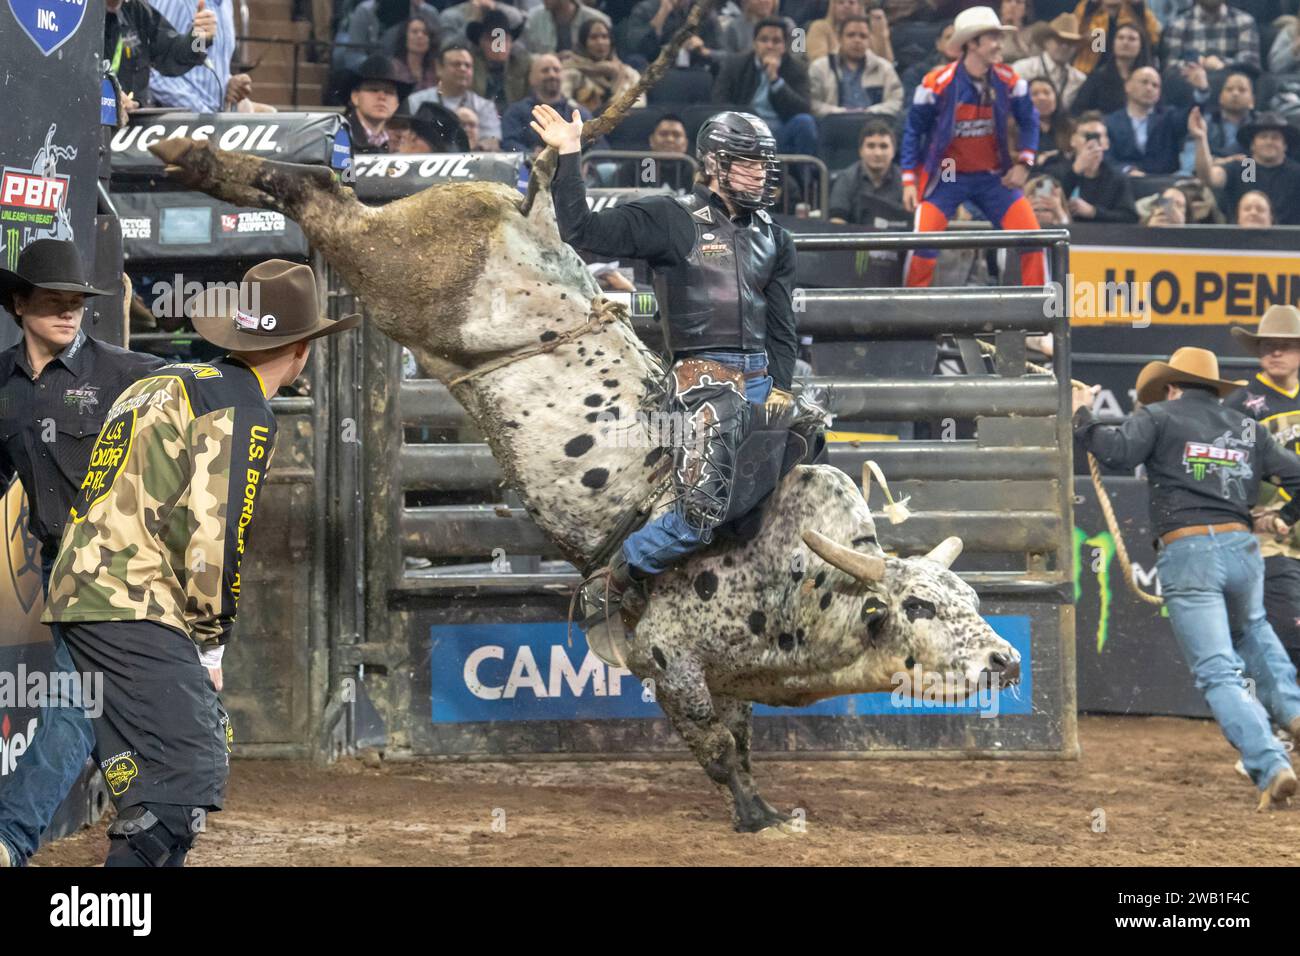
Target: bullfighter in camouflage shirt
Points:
(1272, 398)
(146, 584)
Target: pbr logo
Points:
(21, 550)
(49, 23)
(33, 201)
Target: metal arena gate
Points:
(463, 649)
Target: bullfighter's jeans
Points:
(659, 544)
(1213, 586)
(52, 762)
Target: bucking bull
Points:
(474, 279)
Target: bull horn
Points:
(946, 552)
(867, 568)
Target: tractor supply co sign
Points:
(1187, 282)
(522, 672)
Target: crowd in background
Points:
(1164, 113)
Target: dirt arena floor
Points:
(1166, 787)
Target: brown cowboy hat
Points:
(46, 264)
(1188, 365)
(1064, 27)
(1279, 322)
(281, 299)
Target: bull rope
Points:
(1103, 499)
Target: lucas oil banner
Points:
(317, 139)
(531, 672)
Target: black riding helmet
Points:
(730, 136)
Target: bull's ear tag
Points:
(895, 511)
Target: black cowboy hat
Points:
(436, 125)
(287, 310)
(1263, 121)
(378, 69)
(492, 20)
(46, 264)
(440, 128)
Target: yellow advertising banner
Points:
(1132, 285)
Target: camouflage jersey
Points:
(1279, 411)
(160, 525)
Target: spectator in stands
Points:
(593, 73)
(1220, 36)
(137, 37)
(1269, 168)
(454, 91)
(1053, 124)
(872, 186)
(652, 23)
(457, 18)
(554, 26)
(1103, 90)
(415, 60)
(1060, 41)
(1284, 55)
(824, 35)
(1047, 199)
(1236, 109)
(1202, 207)
(738, 32)
(669, 135)
(1145, 137)
(1255, 210)
(546, 80)
(380, 24)
(1098, 20)
(1169, 208)
(210, 88)
(855, 79)
(469, 123)
(773, 85)
(912, 75)
(501, 67)
(1021, 40)
(1096, 190)
(374, 96)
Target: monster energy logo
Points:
(643, 303)
(1103, 553)
(11, 249)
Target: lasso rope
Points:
(1103, 499)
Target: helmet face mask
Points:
(732, 137)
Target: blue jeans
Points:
(52, 762)
(1213, 586)
(658, 545)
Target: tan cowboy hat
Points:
(1188, 364)
(971, 23)
(280, 298)
(1064, 27)
(1279, 322)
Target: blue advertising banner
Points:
(531, 671)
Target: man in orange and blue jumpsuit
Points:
(955, 145)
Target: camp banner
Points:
(1193, 275)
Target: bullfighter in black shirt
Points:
(1204, 462)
